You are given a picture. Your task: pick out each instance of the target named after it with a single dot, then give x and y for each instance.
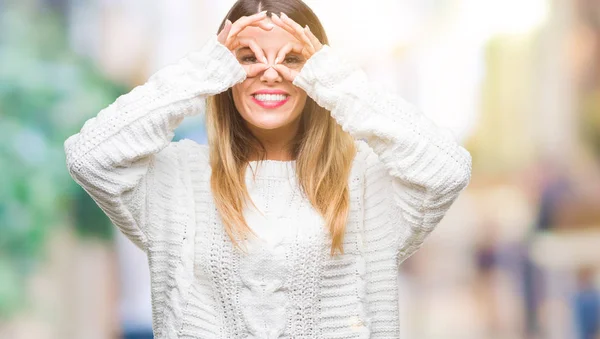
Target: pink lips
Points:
(270, 104)
(270, 91)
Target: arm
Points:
(112, 153)
(412, 165)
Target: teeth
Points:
(270, 97)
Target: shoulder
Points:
(365, 156)
(193, 151)
(362, 149)
(184, 153)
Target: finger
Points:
(298, 31)
(261, 24)
(233, 37)
(226, 28)
(278, 21)
(252, 44)
(287, 73)
(287, 48)
(282, 24)
(247, 20)
(224, 32)
(258, 52)
(283, 52)
(315, 41)
(267, 26)
(293, 32)
(244, 21)
(256, 69)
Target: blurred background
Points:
(517, 81)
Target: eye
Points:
(248, 58)
(293, 60)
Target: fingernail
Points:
(269, 25)
(276, 60)
(307, 28)
(283, 15)
(265, 60)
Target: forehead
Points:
(268, 41)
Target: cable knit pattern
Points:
(265, 272)
(405, 176)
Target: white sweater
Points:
(406, 174)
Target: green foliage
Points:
(46, 94)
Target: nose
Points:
(270, 75)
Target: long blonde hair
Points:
(323, 151)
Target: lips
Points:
(271, 91)
(270, 98)
(270, 104)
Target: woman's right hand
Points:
(229, 38)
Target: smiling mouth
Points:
(270, 97)
(270, 100)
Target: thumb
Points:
(255, 69)
(287, 73)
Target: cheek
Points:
(302, 97)
(239, 96)
(237, 91)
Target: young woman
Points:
(291, 223)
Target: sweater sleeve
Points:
(414, 168)
(111, 155)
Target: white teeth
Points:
(270, 97)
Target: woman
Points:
(293, 221)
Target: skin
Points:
(272, 51)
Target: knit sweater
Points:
(406, 174)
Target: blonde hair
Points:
(323, 151)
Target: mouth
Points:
(270, 100)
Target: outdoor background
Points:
(518, 81)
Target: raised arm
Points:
(112, 153)
(414, 168)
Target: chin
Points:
(267, 121)
(279, 118)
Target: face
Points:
(273, 113)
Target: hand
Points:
(229, 38)
(308, 46)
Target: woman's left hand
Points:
(308, 45)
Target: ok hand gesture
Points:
(229, 38)
(308, 45)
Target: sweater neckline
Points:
(272, 168)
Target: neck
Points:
(277, 142)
